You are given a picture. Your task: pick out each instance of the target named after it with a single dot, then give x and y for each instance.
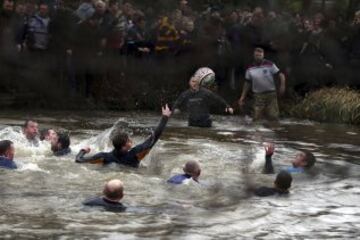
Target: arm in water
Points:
(141, 150)
(219, 100)
(99, 158)
(269, 149)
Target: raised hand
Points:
(166, 111)
(86, 149)
(269, 149)
(229, 110)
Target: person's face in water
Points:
(52, 136)
(10, 153)
(194, 84)
(258, 54)
(300, 160)
(31, 130)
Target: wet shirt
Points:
(261, 76)
(34, 142)
(130, 158)
(106, 204)
(179, 179)
(267, 191)
(198, 105)
(294, 169)
(7, 163)
(62, 152)
(270, 169)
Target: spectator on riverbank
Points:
(38, 36)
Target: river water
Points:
(42, 200)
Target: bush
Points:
(341, 105)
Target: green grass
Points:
(340, 105)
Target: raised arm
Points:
(144, 148)
(269, 151)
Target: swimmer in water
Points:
(124, 153)
(7, 152)
(31, 132)
(197, 100)
(192, 171)
(282, 185)
(303, 161)
(48, 135)
(112, 194)
(61, 145)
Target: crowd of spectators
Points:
(314, 47)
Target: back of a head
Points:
(283, 180)
(4, 146)
(119, 139)
(310, 159)
(64, 140)
(114, 190)
(192, 167)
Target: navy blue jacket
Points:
(7, 163)
(106, 204)
(178, 179)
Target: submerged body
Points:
(130, 158)
(7, 163)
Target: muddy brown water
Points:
(42, 200)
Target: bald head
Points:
(193, 169)
(113, 190)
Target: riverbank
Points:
(335, 105)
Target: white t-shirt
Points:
(262, 76)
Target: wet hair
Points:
(192, 167)
(310, 159)
(44, 133)
(119, 140)
(64, 140)
(283, 180)
(27, 121)
(4, 146)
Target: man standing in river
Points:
(197, 100)
(260, 76)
